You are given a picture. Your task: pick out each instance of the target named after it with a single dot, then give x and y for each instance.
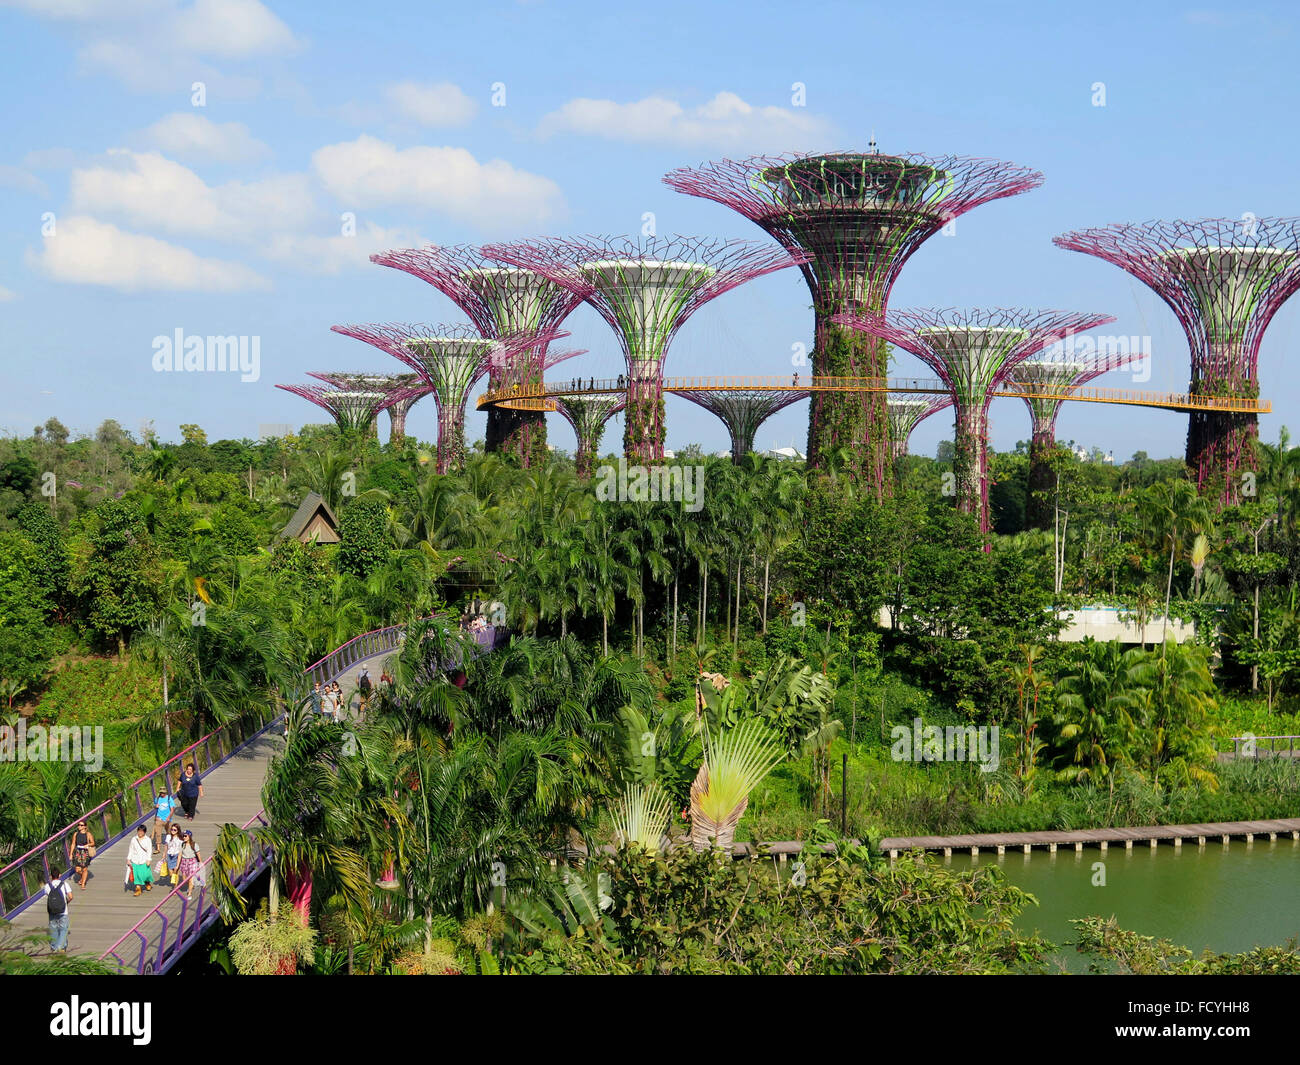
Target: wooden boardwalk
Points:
(1102, 838)
(104, 912)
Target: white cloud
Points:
(159, 45)
(369, 172)
(443, 104)
(188, 135)
(7, 295)
(231, 29)
(14, 177)
(726, 121)
(332, 255)
(149, 190)
(86, 251)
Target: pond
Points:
(1227, 898)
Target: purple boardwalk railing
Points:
(149, 934)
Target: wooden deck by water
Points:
(1152, 835)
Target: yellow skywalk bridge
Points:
(542, 396)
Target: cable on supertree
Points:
(859, 216)
(450, 359)
(1045, 380)
(354, 380)
(1224, 279)
(973, 351)
(743, 411)
(588, 416)
(353, 411)
(906, 412)
(501, 301)
(645, 289)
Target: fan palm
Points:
(735, 762)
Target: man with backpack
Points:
(58, 897)
(363, 683)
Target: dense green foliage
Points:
(152, 594)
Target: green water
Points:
(1225, 898)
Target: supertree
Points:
(742, 411)
(859, 217)
(450, 359)
(1042, 384)
(906, 412)
(645, 290)
(973, 351)
(353, 411)
(501, 301)
(1224, 280)
(359, 380)
(588, 415)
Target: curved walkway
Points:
(104, 911)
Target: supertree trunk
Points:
(1221, 447)
(451, 438)
(526, 439)
(856, 421)
(1038, 505)
(970, 462)
(643, 418)
(397, 424)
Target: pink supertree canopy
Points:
(353, 409)
(906, 412)
(973, 352)
(449, 359)
(360, 380)
(501, 301)
(1043, 383)
(645, 289)
(860, 216)
(1224, 279)
(587, 416)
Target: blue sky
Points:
(226, 218)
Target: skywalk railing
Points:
(161, 937)
(22, 880)
(529, 395)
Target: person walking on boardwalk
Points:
(189, 866)
(191, 790)
(58, 897)
(164, 806)
(83, 849)
(140, 856)
(327, 704)
(316, 696)
(174, 853)
(364, 686)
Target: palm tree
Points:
(1173, 509)
(159, 643)
(1096, 698)
(735, 762)
(328, 826)
(779, 490)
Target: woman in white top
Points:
(139, 856)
